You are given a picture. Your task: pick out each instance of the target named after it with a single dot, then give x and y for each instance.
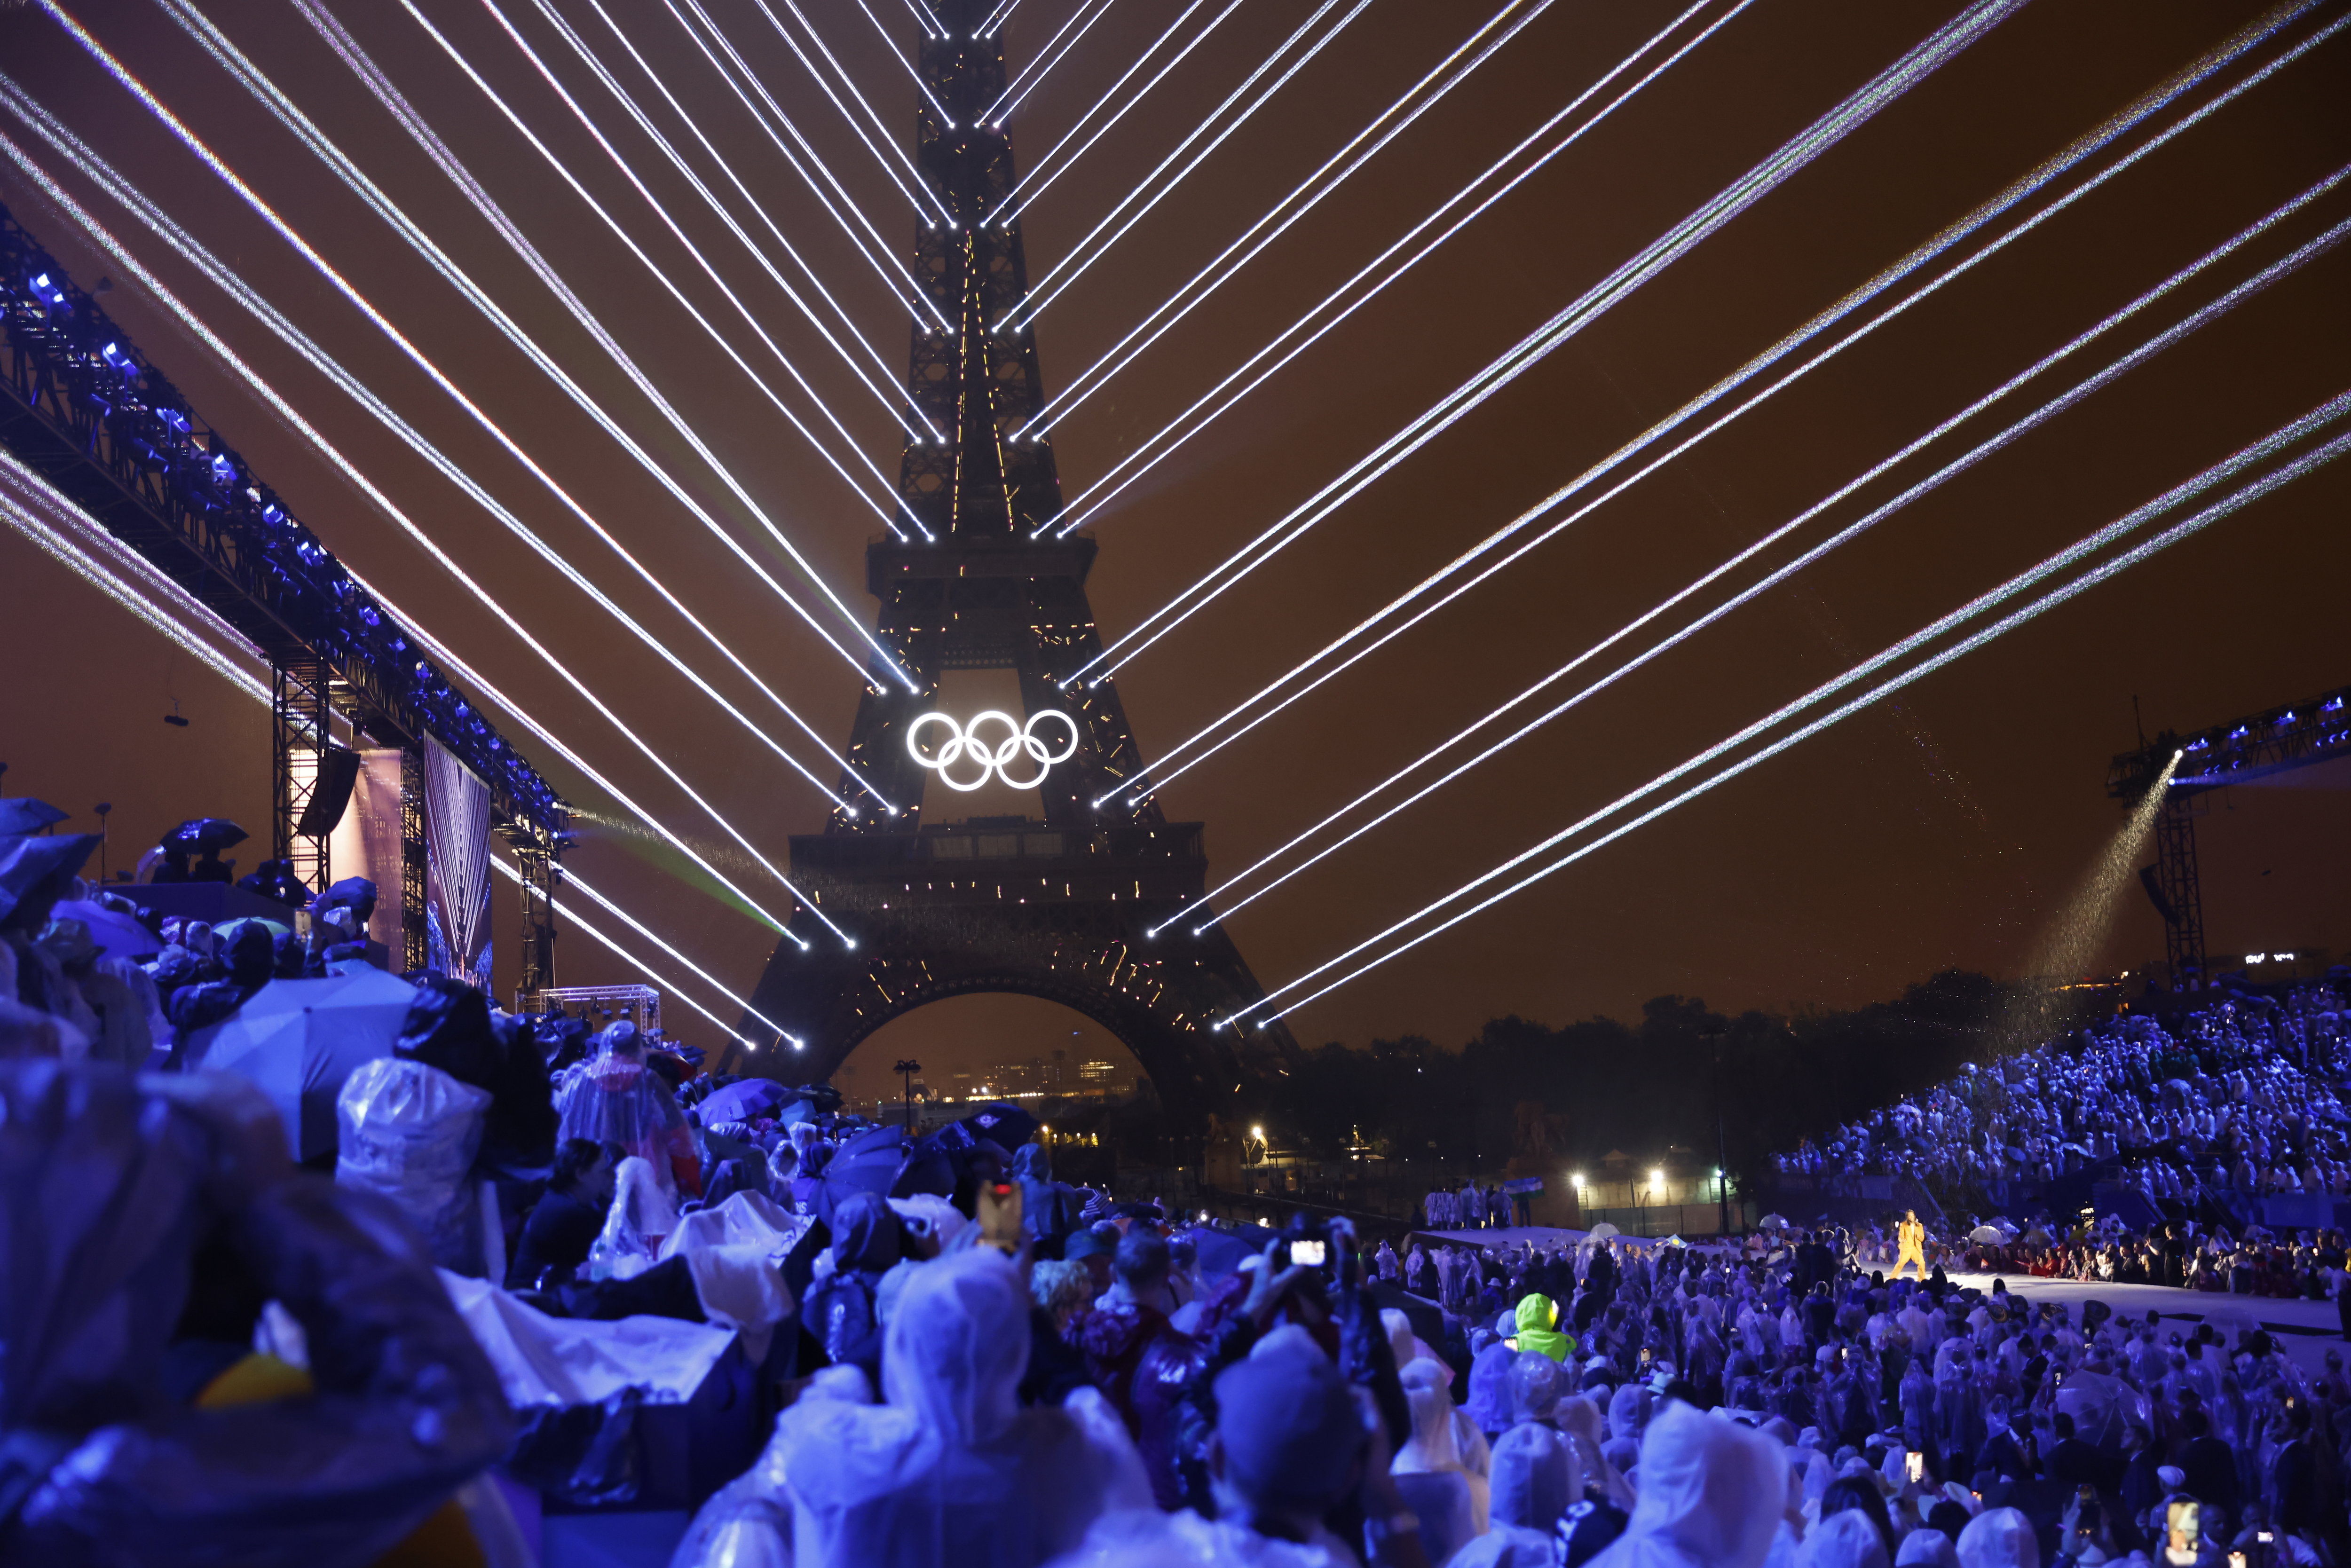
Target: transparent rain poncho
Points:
(1535, 1481)
(1712, 1495)
(615, 1097)
(108, 1183)
(1433, 1477)
(950, 1469)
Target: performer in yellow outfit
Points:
(1910, 1243)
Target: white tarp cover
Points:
(569, 1360)
(737, 1253)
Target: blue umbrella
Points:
(744, 1101)
(299, 1040)
(117, 935)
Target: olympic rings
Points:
(994, 761)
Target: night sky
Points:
(1944, 828)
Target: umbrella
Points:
(870, 1162)
(742, 1102)
(34, 868)
(1604, 1230)
(200, 834)
(1986, 1233)
(228, 929)
(1220, 1252)
(299, 1040)
(25, 815)
(117, 934)
(1772, 1222)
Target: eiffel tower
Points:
(1058, 908)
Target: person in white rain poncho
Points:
(1712, 1495)
(1846, 1539)
(1999, 1538)
(1437, 1483)
(950, 1469)
(1536, 1480)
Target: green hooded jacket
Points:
(1539, 1330)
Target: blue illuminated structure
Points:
(81, 406)
(2298, 735)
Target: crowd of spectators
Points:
(958, 1359)
(2240, 1096)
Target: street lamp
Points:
(1714, 1037)
(906, 1069)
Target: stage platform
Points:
(209, 901)
(2304, 1330)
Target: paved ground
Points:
(2306, 1330)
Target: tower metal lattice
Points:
(1061, 908)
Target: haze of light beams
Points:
(1157, 448)
(101, 174)
(572, 878)
(877, 251)
(2068, 158)
(1077, 256)
(727, 166)
(677, 232)
(1033, 75)
(25, 495)
(1031, 186)
(2032, 420)
(195, 325)
(319, 264)
(1218, 272)
(882, 393)
(920, 186)
(1856, 111)
(2327, 413)
(2076, 933)
(75, 539)
(667, 985)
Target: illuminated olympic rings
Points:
(994, 761)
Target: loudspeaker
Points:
(2148, 879)
(339, 770)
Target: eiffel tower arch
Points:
(1058, 907)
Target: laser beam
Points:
(636, 964)
(900, 55)
(77, 541)
(1044, 61)
(2072, 397)
(319, 264)
(104, 177)
(2032, 610)
(1416, 100)
(1151, 452)
(677, 232)
(879, 253)
(1654, 259)
(572, 878)
(196, 326)
(1079, 257)
(1033, 186)
(2070, 157)
(923, 208)
(893, 401)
